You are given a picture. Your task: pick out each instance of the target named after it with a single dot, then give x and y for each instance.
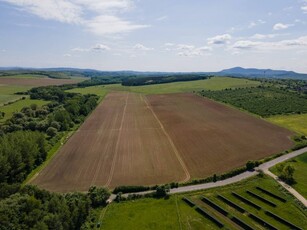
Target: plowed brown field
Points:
(131, 139)
(121, 143)
(36, 81)
(214, 138)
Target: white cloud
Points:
(100, 47)
(97, 47)
(219, 39)
(191, 50)
(78, 49)
(256, 23)
(245, 44)
(162, 18)
(142, 47)
(281, 26)
(263, 36)
(106, 24)
(58, 10)
(105, 20)
(67, 55)
(304, 9)
(299, 43)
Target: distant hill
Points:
(63, 72)
(262, 73)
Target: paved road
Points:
(264, 167)
(289, 188)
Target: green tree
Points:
(286, 172)
(51, 131)
(162, 190)
(98, 196)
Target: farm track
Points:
(132, 140)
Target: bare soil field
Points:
(214, 138)
(36, 81)
(131, 139)
(121, 143)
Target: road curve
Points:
(264, 167)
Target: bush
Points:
(162, 191)
(51, 131)
(98, 196)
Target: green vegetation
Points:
(163, 78)
(264, 101)
(150, 213)
(300, 174)
(100, 90)
(296, 122)
(174, 213)
(29, 138)
(21, 153)
(7, 93)
(31, 76)
(214, 83)
(18, 105)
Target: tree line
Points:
(25, 140)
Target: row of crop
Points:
(271, 194)
(261, 198)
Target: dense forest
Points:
(135, 81)
(25, 140)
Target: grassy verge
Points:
(173, 213)
(300, 174)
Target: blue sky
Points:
(151, 35)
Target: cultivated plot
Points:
(120, 143)
(214, 138)
(131, 139)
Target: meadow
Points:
(173, 213)
(300, 173)
(295, 122)
(18, 105)
(7, 93)
(214, 83)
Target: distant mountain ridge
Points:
(262, 73)
(235, 72)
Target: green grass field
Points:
(300, 174)
(151, 213)
(17, 106)
(31, 76)
(173, 213)
(215, 83)
(7, 93)
(296, 123)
